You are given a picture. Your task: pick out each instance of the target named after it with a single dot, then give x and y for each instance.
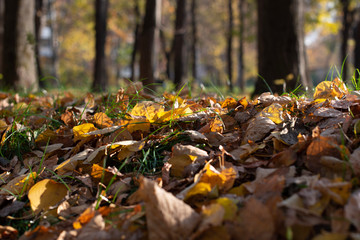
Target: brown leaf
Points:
(254, 221)
(8, 233)
(167, 217)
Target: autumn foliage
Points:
(134, 166)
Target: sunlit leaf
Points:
(330, 89)
(229, 206)
(229, 103)
(147, 109)
(102, 120)
(273, 112)
(201, 188)
(81, 130)
(46, 194)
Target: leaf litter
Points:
(134, 166)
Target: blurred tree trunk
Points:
(194, 40)
(229, 45)
(51, 12)
(19, 39)
(281, 48)
(2, 8)
(179, 46)
(149, 47)
(241, 80)
(136, 39)
(100, 76)
(345, 33)
(357, 49)
(39, 8)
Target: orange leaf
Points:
(102, 120)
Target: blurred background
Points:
(242, 46)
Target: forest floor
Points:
(133, 166)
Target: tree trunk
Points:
(19, 38)
(100, 76)
(51, 12)
(241, 81)
(2, 8)
(39, 8)
(194, 40)
(179, 44)
(281, 49)
(345, 31)
(357, 49)
(136, 39)
(229, 46)
(149, 43)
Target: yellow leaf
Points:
(239, 190)
(217, 125)
(274, 112)
(100, 174)
(3, 125)
(19, 185)
(173, 98)
(147, 109)
(46, 194)
(329, 90)
(81, 130)
(212, 176)
(173, 114)
(229, 206)
(133, 125)
(102, 120)
(179, 162)
(224, 179)
(201, 188)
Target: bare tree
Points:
(241, 80)
(229, 45)
(150, 43)
(100, 76)
(281, 48)
(19, 39)
(2, 8)
(179, 46)
(39, 9)
(194, 40)
(347, 19)
(136, 39)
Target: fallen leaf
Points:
(258, 129)
(254, 221)
(102, 120)
(167, 217)
(19, 185)
(330, 89)
(46, 194)
(81, 130)
(274, 112)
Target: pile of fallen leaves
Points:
(134, 166)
